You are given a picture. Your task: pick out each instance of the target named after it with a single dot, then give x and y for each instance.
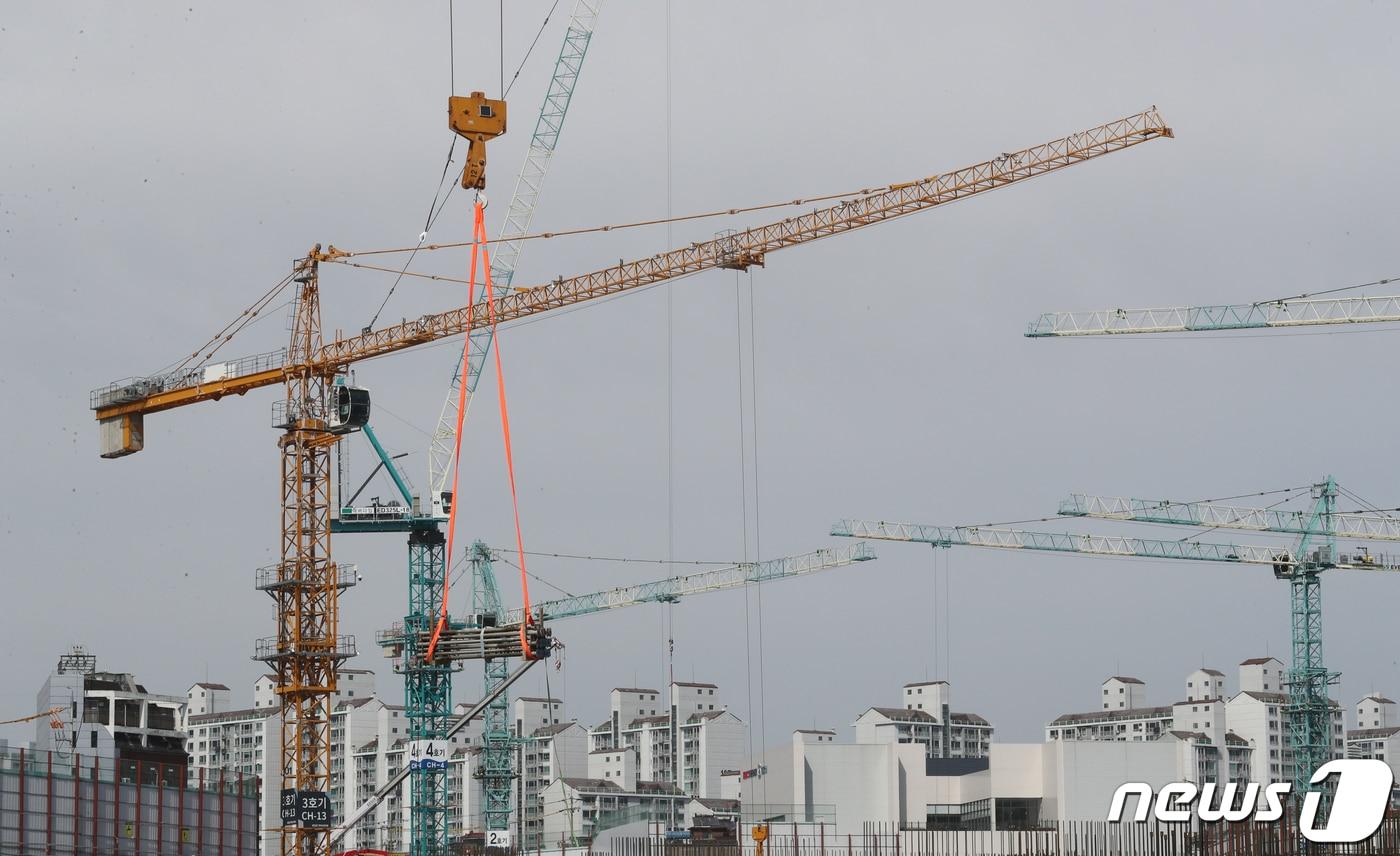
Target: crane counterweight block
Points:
(478, 119)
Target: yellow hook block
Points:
(478, 119)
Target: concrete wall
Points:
(723, 743)
(865, 782)
(1081, 776)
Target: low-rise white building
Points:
(577, 810)
(109, 717)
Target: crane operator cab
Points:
(348, 408)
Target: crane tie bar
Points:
(728, 212)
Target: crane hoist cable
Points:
(852, 194)
(481, 254)
(457, 448)
(505, 435)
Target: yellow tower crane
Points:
(316, 410)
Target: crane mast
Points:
(315, 412)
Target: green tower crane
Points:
(1311, 740)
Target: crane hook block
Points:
(478, 119)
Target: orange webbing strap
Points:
(478, 228)
(505, 434)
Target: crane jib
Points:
(741, 249)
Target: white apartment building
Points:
(1239, 738)
(1377, 734)
(1123, 715)
(1204, 684)
(576, 810)
(550, 748)
(1376, 711)
(1259, 714)
(686, 737)
(1123, 693)
(927, 718)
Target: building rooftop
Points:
(1258, 661)
(704, 715)
(901, 714)
(967, 719)
(1188, 735)
(591, 784)
(1371, 733)
(1233, 739)
(1377, 698)
(230, 715)
(1114, 715)
(552, 729)
(1275, 698)
(718, 805)
(693, 684)
(211, 686)
(812, 731)
(1216, 672)
(633, 690)
(538, 699)
(924, 684)
(1123, 679)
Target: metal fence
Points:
(1083, 838)
(53, 803)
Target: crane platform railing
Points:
(1362, 526)
(1279, 558)
(674, 588)
(133, 389)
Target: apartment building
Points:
(686, 736)
(1259, 713)
(927, 718)
(549, 748)
(576, 810)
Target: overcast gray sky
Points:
(162, 163)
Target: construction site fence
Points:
(1069, 838)
(60, 803)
